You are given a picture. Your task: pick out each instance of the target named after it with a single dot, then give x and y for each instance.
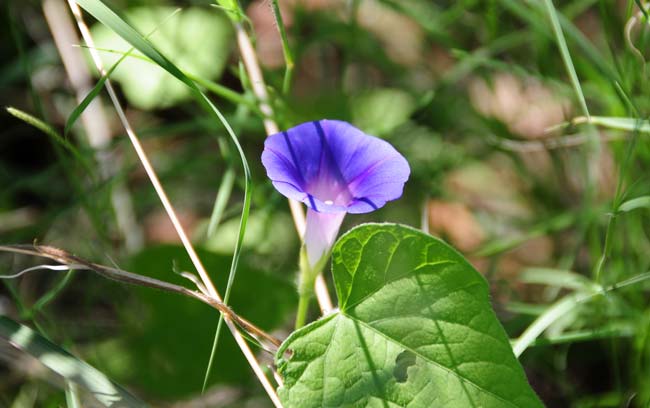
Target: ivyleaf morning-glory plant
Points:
(334, 168)
(414, 326)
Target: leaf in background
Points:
(415, 328)
(427, 13)
(264, 232)
(167, 338)
(425, 150)
(67, 365)
(182, 39)
(379, 111)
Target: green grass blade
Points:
(72, 395)
(286, 50)
(51, 294)
(564, 306)
(223, 195)
(556, 278)
(231, 277)
(601, 333)
(53, 134)
(232, 8)
(592, 53)
(611, 122)
(224, 92)
(68, 366)
(635, 203)
(26, 397)
(76, 113)
(109, 18)
(566, 55)
(213, 353)
(532, 332)
(214, 87)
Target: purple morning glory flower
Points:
(334, 168)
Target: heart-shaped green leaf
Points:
(415, 328)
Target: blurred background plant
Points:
(545, 198)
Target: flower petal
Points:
(375, 171)
(320, 234)
(332, 166)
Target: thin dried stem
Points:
(205, 278)
(259, 88)
(69, 261)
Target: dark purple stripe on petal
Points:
(312, 202)
(294, 158)
(331, 166)
(330, 159)
(367, 201)
(324, 150)
(327, 162)
(320, 132)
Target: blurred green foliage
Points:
(166, 339)
(196, 40)
(471, 92)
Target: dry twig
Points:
(74, 262)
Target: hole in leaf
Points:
(403, 361)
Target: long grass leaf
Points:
(72, 395)
(223, 195)
(53, 134)
(635, 203)
(109, 18)
(610, 122)
(66, 365)
(286, 49)
(76, 113)
(214, 87)
(564, 306)
(566, 55)
(604, 332)
(592, 53)
(556, 278)
(51, 294)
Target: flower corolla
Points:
(334, 168)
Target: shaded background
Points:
(469, 91)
